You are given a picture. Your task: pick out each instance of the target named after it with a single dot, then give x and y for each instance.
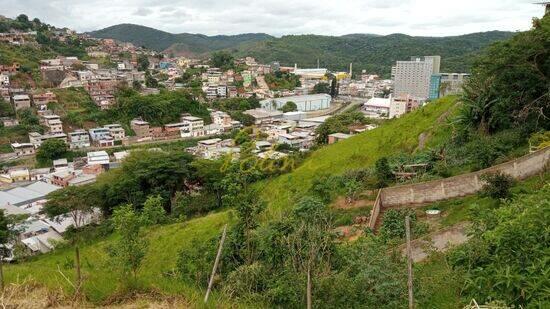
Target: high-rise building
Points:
(442, 84)
(413, 77)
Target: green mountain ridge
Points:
(375, 54)
(183, 42)
(371, 52)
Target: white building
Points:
(98, 157)
(413, 77)
(191, 126)
(79, 139)
(4, 80)
(377, 107)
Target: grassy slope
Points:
(166, 241)
(360, 151)
(101, 281)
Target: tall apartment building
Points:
(442, 84)
(413, 77)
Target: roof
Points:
(60, 162)
(301, 98)
(210, 141)
(191, 118)
(263, 113)
(379, 102)
(340, 135)
(21, 97)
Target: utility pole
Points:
(409, 262)
(308, 295)
(211, 281)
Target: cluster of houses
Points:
(23, 193)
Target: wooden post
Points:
(308, 292)
(409, 262)
(211, 281)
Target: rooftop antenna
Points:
(546, 4)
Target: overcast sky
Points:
(277, 17)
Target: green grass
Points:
(360, 151)
(101, 281)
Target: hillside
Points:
(179, 44)
(373, 53)
(166, 241)
(360, 151)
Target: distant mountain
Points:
(179, 44)
(373, 53)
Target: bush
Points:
(497, 185)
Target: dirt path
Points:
(440, 241)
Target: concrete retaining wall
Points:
(457, 186)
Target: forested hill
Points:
(373, 53)
(182, 43)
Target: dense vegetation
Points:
(183, 43)
(282, 81)
(376, 54)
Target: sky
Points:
(325, 17)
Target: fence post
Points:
(211, 281)
(409, 262)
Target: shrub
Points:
(497, 185)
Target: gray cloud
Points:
(278, 17)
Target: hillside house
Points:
(116, 131)
(336, 137)
(21, 101)
(193, 126)
(23, 149)
(141, 129)
(79, 139)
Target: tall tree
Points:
(130, 249)
(76, 203)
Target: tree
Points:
(128, 251)
(499, 96)
(143, 62)
(7, 236)
(150, 81)
(338, 124)
(6, 110)
(242, 137)
(76, 203)
(51, 149)
(27, 117)
(137, 85)
(322, 87)
(222, 59)
(153, 212)
(383, 172)
(210, 175)
(497, 185)
(289, 107)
